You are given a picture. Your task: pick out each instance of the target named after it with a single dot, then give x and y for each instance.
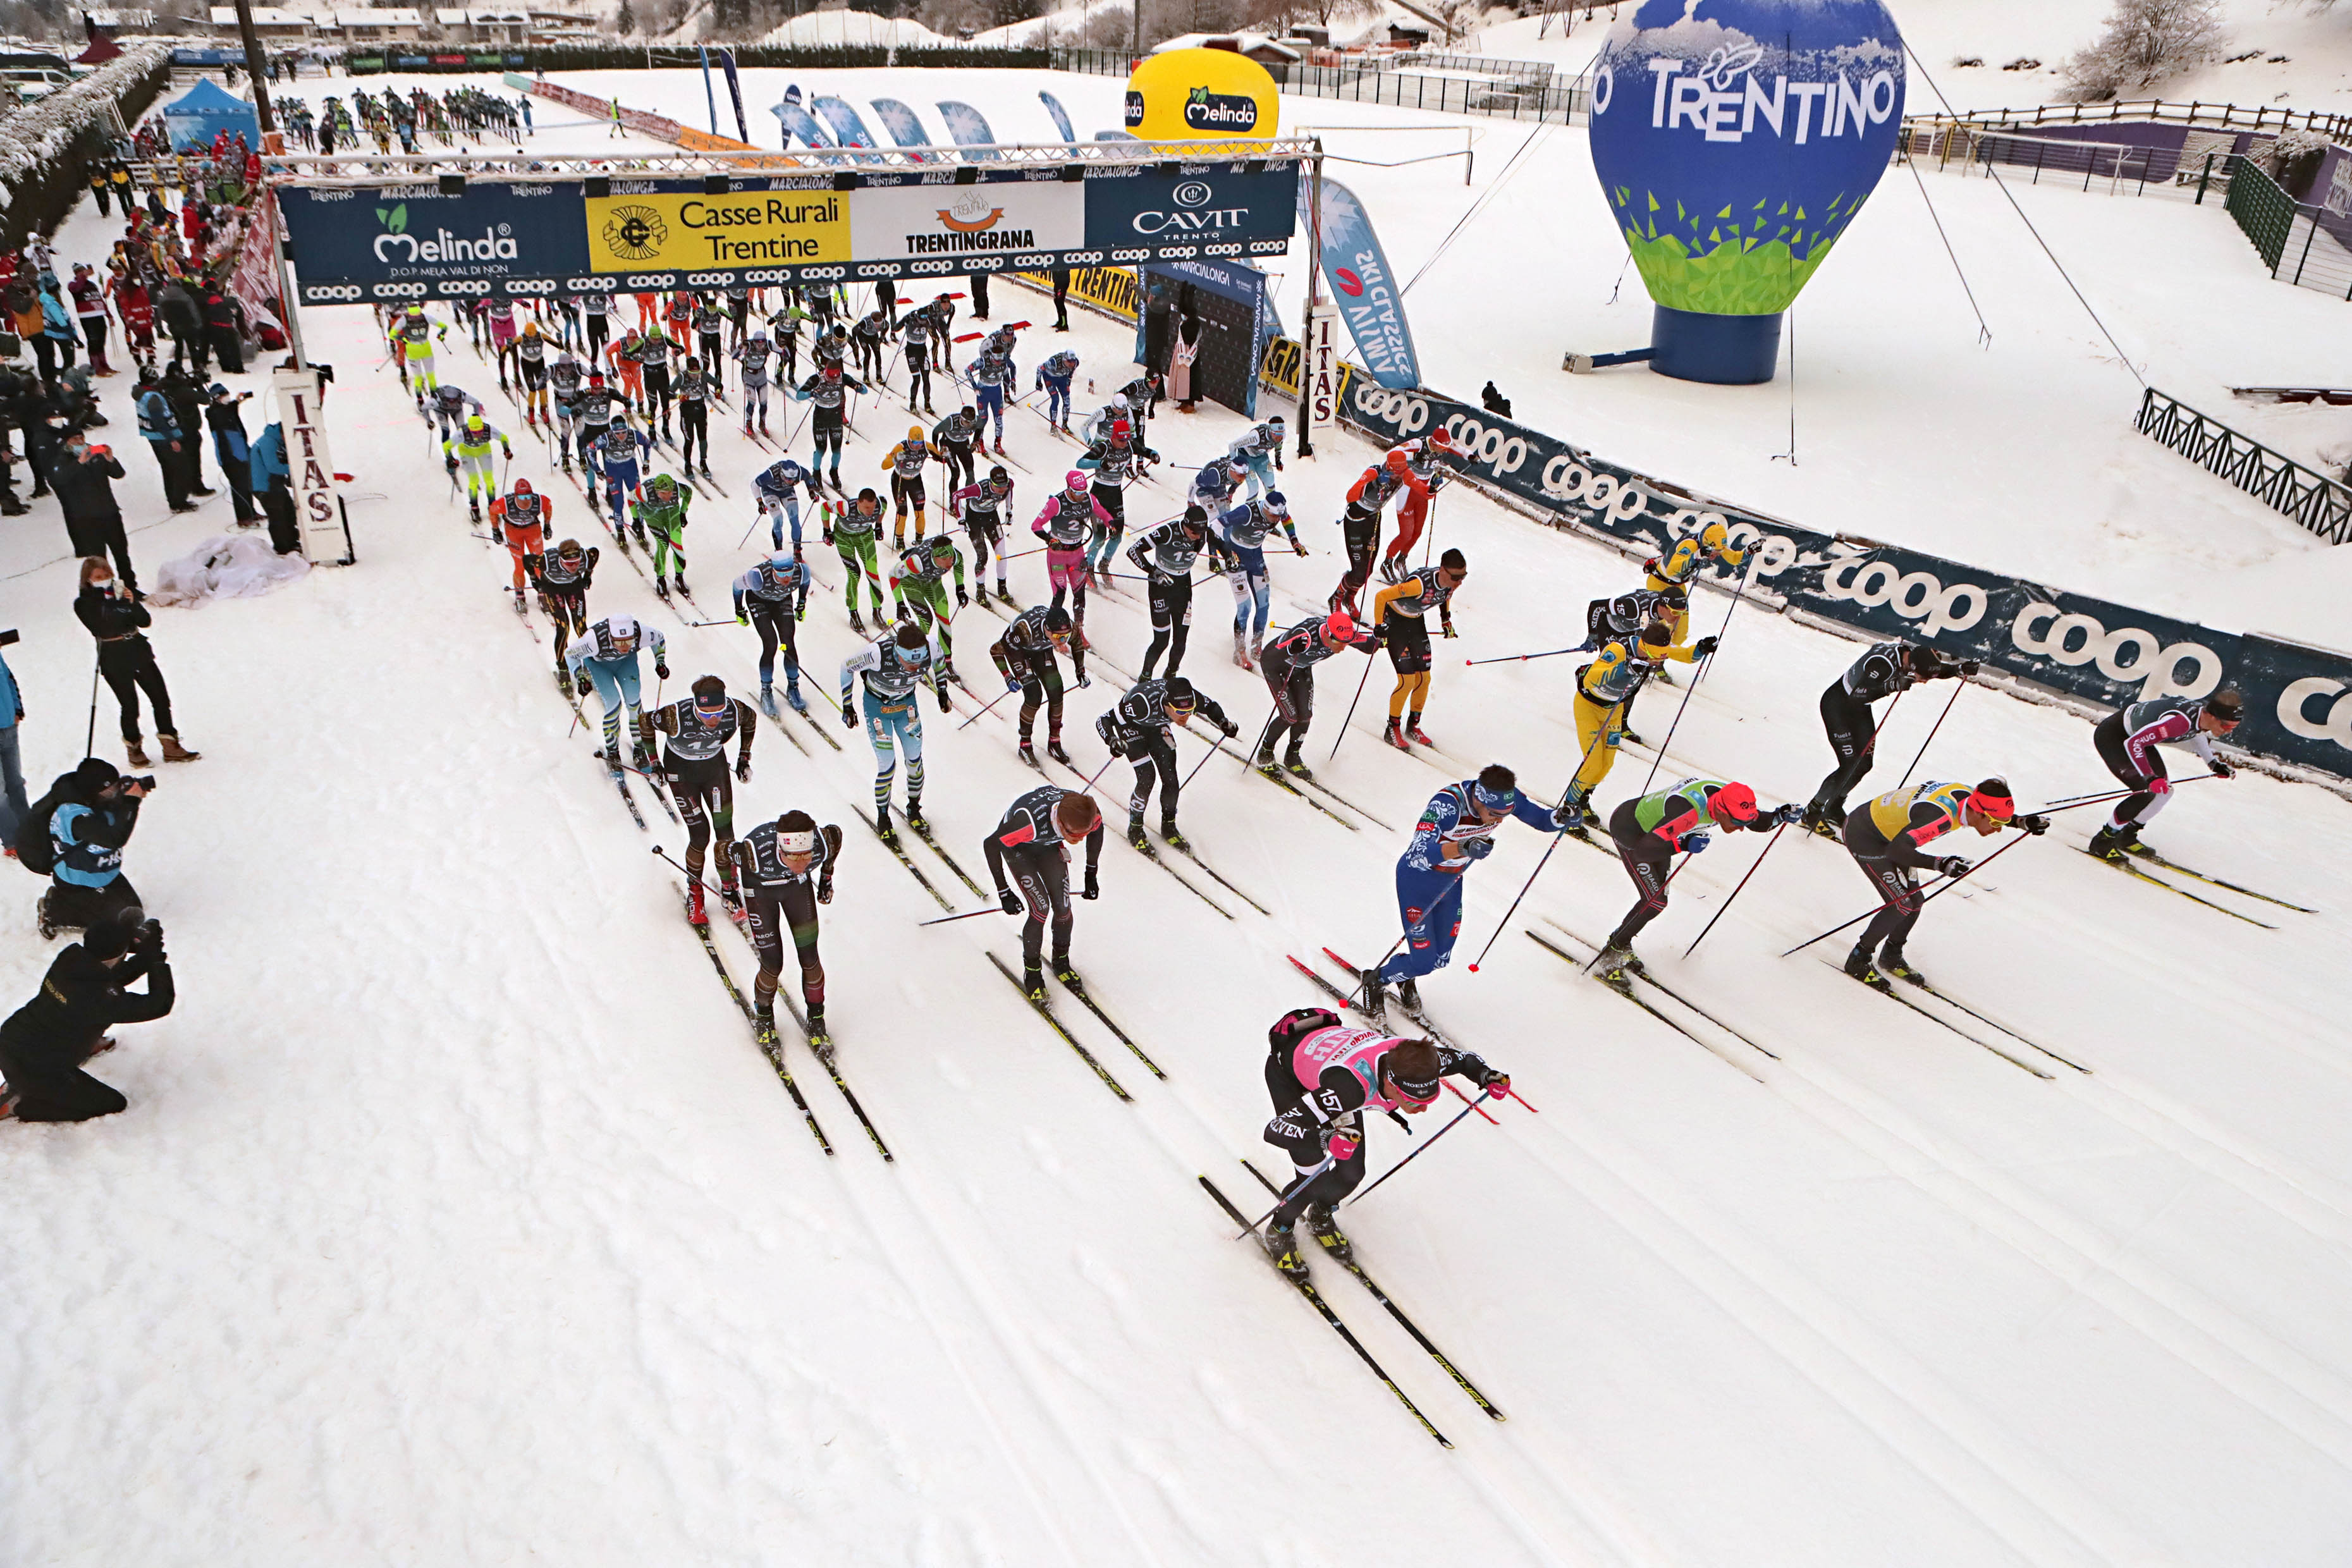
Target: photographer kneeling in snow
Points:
(44, 1044)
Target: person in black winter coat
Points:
(83, 476)
(232, 450)
(184, 321)
(44, 1043)
(187, 401)
(116, 619)
(220, 329)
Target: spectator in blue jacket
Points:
(54, 348)
(160, 427)
(231, 450)
(13, 805)
(273, 480)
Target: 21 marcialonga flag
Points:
(1370, 298)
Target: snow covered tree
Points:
(2145, 42)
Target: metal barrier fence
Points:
(2261, 118)
(1464, 84)
(2117, 164)
(2308, 247)
(2319, 503)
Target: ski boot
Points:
(1004, 594)
(1633, 737)
(1060, 964)
(474, 507)
(793, 696)
(2108, 844)
(1264, 760)
(1028, 750)
(764, 1024)
(1409, 996)
(1394, 735)
(567, 462)
(1893, 962)
(979, 593)
(611, 753)
(642, 756)
(767, 699)
(1375, 995)
(1175, 839)
(1412, 732)
(521, 607)
(1391, 568)
(1135, 832)
(1053, 749)
(856, 624)
(1281, 1243)
(915, 818)
(678, 581)
(820, 1039)
(694, 912)
(1614, 964)
(1326, 1229)
(1032, 983)
(882, 825)
(1858, 964)
(1293, 764)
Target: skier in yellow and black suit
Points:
(1680, 564)
(1605, 689)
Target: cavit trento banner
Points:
(524, 238)
(2298, 698)
(1370, 298)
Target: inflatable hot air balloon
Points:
(1735, 140)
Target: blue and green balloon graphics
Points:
(1735, 139)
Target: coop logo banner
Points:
(637, 233)
(414, 236)
(1005, 217)
(1370, 297)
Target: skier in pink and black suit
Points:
(2128, 742)
(1066, 523)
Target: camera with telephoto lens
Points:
(144, 781)
(148, 936)
(9, 636)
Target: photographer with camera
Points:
(74, 836)
(83, 474)
(127, 661)
(44, 1043)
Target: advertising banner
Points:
(1228, 299)
(844, 119)
(798, 121)
(1179, 95)
(900, 122)
(1001, 219)
(735, 93)
(967, 125)
(1061, 116)
(536, 238)
(2298, 698)
(1369, 296)
(310, 471)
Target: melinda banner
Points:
(538, 237)
(2298, 698)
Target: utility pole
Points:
(257, 65)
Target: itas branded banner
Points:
(1134, 213)
(1001, 219)
(1369, 297)
(2298, 698)
(422, 244)
(637, 233)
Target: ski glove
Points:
(848, 716)
(824, 892)
(743, 618)
(1085, 681)
(1952, 865)
(1010, 899)
(661, 670)
(1478, 849)
(2036, 825)
(1786, 814)
(1232, 729)
(1342, 1147)
(743, 771)
(962, 598)
(2221, 770)
(1692, 843)
(1093, 888)
(1446, 628)
(943, 691)
(1497, 1084)
(1702, 649)
(1968, 668)
(1564, 816)
(1012, 683)
(583, 684)
(2159, 786)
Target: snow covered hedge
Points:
(46, 148)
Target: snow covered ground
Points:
(455, 1218)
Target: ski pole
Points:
(968, 914)
(90, 736)
(1941, 885)
(689, 876)
(721, 621)
(1362, 681)
(1295, 1187)
(1734, 892)
(1355, 992)
(1214, 747)
(992, 702)
(1598, 734)
(1482, 1114)
(1426, 1148)
(1931, 732)
(1523, 657)
(1696, 679)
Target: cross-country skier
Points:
(1054, 381)
(1887, 668)
(952, 438)
(1888, 839)
(1681, 564)
(1117, 459)
(785, 868)
(2127, 742)
(904, 463)
(694, 390)
(1065, 522)
(606, 655)
(855, 531)
(616, 453)
(1648, 832)
(753, 355)
(709, 329)
(564, 577)
(1141, 730)
(449, 404)
(1261, 446)
(663, 510)
(521, 517)
(985, 509)
(1429, 467)
(594, 408)
(470, 449)
(1024, 656)
(531, 367)
(1359, 528)
(1325, 1078)
(1399, 612)
(1456, 831)
(1213, 488)
(694, 758)
(1164, 555)
(778, 489)
(773, 598)
(993, 378)
(825, 392)
(1288, 665)
(1605, 689)
(894, 666)
(412, 337)
(919, 329)
(1244, 530)
(865, 342)
(1625, 615)
(1033, 841)
(918, 591)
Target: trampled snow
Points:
(457, 1218)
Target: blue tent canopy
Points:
(205, 110)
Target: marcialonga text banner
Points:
(527, 237)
